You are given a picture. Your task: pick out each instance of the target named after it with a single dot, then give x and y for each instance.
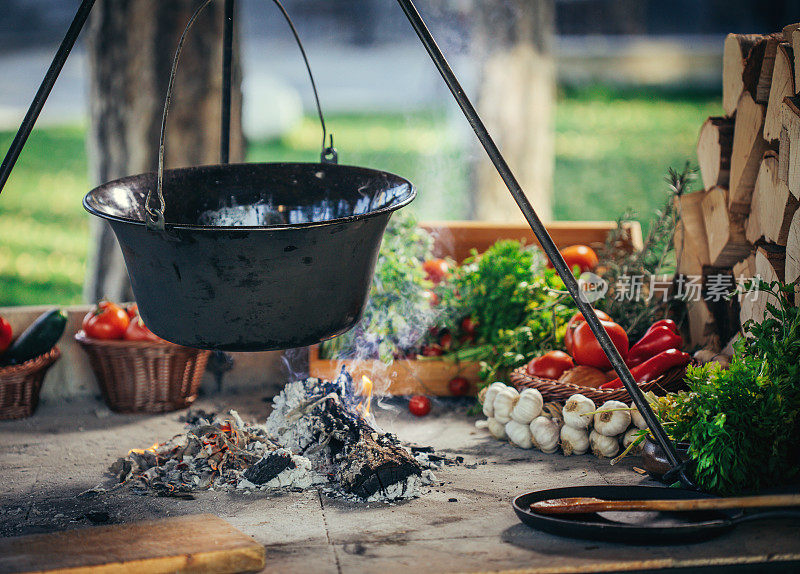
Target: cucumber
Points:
(37, 339)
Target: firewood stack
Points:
(745, 223)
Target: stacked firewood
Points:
(745, 223)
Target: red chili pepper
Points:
(653, 368)
(667, 323)
(656, 340)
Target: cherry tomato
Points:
(133, 310)
(445, 340)
(432, 351)
(550, 365)
(436, 270)
(137, 331)
(106, 321)
(587, 351)
(5, 334)
(458, 386)
(419, 405)
(576, 320)
(581, 255)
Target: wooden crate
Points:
(456, 239)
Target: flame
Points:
(151, 448)
(366, 396)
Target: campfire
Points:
(320, 433)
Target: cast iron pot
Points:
(294, 269)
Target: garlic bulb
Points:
(603, 446)
(519, 434)
(630, 437)
(574, 441)
(609, 421)
(575, 410)
(489, 393)
(504, 403)
(528, 407)
(637, 419)
(496, 429)
(545, 433)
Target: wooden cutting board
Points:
(197, 543)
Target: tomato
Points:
(5, 334)
(587, 351)
(436, 270)
(132, 310)
(550, 365)
(419, 405)
(576, 320)
(432, 351)
(581, 255)
(458, 386)
(445, 340)
(137, 331)
(106, 321)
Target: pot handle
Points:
(154, 215)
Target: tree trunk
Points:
(131, 47)
(516, 100)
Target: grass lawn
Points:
(612, 151)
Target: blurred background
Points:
(591, 100)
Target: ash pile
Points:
(315, 436)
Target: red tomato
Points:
(445, 340)
(5, 334)
(582, 256)
(576, 320)
(586, 350)
(432, 351)
(550, 365)
(436, 270)
(458, 386)
(137, 331)
(132, 310)
(419, 405)
(106, 321)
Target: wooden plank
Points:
(197, 543)
(458, 238)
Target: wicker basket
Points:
(145, 376)
(20, 385)
(552, 390)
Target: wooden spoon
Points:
(584, 505)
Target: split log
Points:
(773, 206)
(702, 327)
(735, 55)
(789, 150)
(757, 74)
(727, 240)
(748, 148)
(783, 85)
(796, 50)
(789, 30)
(792, 264)
(693, 230)
(775, 257)
(714, 151)
(745, 269)
(754, 304)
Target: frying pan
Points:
(646, 528)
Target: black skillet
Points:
(649, 528)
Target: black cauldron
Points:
(253, 257)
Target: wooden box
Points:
(456, 239)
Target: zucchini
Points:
(37, 339)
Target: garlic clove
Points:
(637, 419)
(630, 437)
(574, 440)
(575, 409)
(519, 434)
(504, 403)
(496, 429)
(612, 419)
(489, 393)
(528, 407)
(603, 446)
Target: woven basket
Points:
(552, 390)
(145, 376)
(20, 385)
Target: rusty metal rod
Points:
(544, 238)
(44, 90)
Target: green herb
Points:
(743, 422)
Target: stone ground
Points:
(463, 523)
